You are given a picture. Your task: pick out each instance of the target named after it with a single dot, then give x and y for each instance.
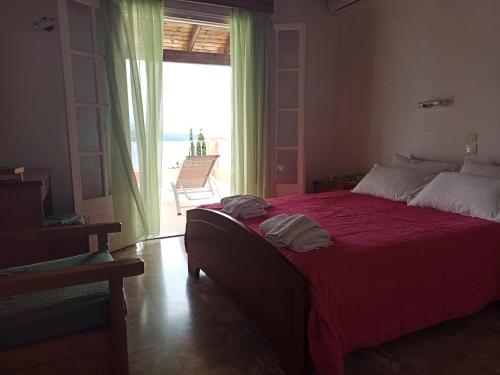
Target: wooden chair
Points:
(194, 177)
(100, 349)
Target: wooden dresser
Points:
(22, 206)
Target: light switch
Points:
(471, 149)
(471, 138)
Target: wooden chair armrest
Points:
(66, 231)
(28, 282)
(47, 233)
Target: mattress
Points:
(391, 270)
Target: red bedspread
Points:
(392, 269)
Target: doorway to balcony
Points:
(196, 115)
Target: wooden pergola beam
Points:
(196, 57)
(227, 45)
(194, 36)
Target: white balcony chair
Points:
(194, 178)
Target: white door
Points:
(87, 105)
(289, 108)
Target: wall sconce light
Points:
(436, 103)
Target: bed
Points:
(392, 270)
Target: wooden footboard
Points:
(266, 284)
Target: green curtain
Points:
(134, 61)
(250, 61)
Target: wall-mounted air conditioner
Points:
(340, 5)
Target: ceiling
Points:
(197, 42)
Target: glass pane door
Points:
(87, 105)
(289, 110)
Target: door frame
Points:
(300, 186)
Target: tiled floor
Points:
(180, 325)
(172, 224)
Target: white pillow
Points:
(462, 194)
(480, 169)
(430, 165)
(397, 184)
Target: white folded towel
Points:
(267, 225)
(297, 232)
(311, 239)
(224, 201)
(251, 212)
(244, 206)
(285, 230)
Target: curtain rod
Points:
(256, 5)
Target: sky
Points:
(196, 96)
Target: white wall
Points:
(320, 80)
(33, 129)
(394, 53)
